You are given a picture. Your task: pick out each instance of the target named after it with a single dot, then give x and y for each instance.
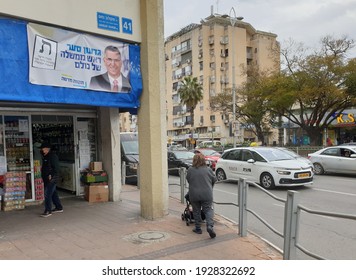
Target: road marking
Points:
(348, 194)
(279, 205)
(225, 191)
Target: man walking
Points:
(50, 173)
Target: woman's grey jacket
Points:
(201, 181)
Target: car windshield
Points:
(290, 152)
(130, 147)
(184, 154)
(209, 152)
(275, 154)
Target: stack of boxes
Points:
(39, 186)
(14, 191)
(96, 180)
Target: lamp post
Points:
(233, 20)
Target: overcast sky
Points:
(305, 21)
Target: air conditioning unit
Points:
(200, 55)
(177, 64)
(179, 113)
(222, 68)
(226, 121)
(200, 124)
(200, 44)
(222, 55)
(188, 61)
(179, 76)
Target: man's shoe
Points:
(211, 232)
(46, 214)
(197, 231)
(55, 210)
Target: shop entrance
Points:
(72, 137)
(59, 132)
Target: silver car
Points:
(335, 159)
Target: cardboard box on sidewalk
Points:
(96, 193)
(96, 166)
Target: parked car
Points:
(210, 155)
(129, 155)
(179, 158)
(336, 159)
(267, 166)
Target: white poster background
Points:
(64, 58)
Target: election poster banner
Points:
(63, 58)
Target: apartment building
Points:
(212, 51)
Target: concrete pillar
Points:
(110, 153)
(151, 115)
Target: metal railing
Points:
(292, 213)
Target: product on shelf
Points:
(14, 191)
(39, 187)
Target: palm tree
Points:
(191, 93)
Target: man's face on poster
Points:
(113, 63)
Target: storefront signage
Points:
(345, 118)
(45, 64)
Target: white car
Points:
(336, 159)
(269, 167)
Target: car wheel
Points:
(220, 175)
(318, 169)
(266, 181)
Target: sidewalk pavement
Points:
(115, 230)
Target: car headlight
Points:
(283, 172)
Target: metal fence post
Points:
(123, 173)
(138, 175)
(290, 225)
(242, 202)
(182, 177)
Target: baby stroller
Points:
(187, 215)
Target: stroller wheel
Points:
(182, 217)
(187, 223)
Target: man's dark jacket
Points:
(50, 166)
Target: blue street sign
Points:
(108, 22)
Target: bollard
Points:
(242, 202)
(138, 176)
(290, 226)
(123, 173)
(182, 176)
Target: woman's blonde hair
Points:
(199, 160)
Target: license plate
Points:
(303, 175)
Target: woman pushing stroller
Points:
(201, 180)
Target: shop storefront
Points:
(52, 90)
(72, 134)
(343, 128)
